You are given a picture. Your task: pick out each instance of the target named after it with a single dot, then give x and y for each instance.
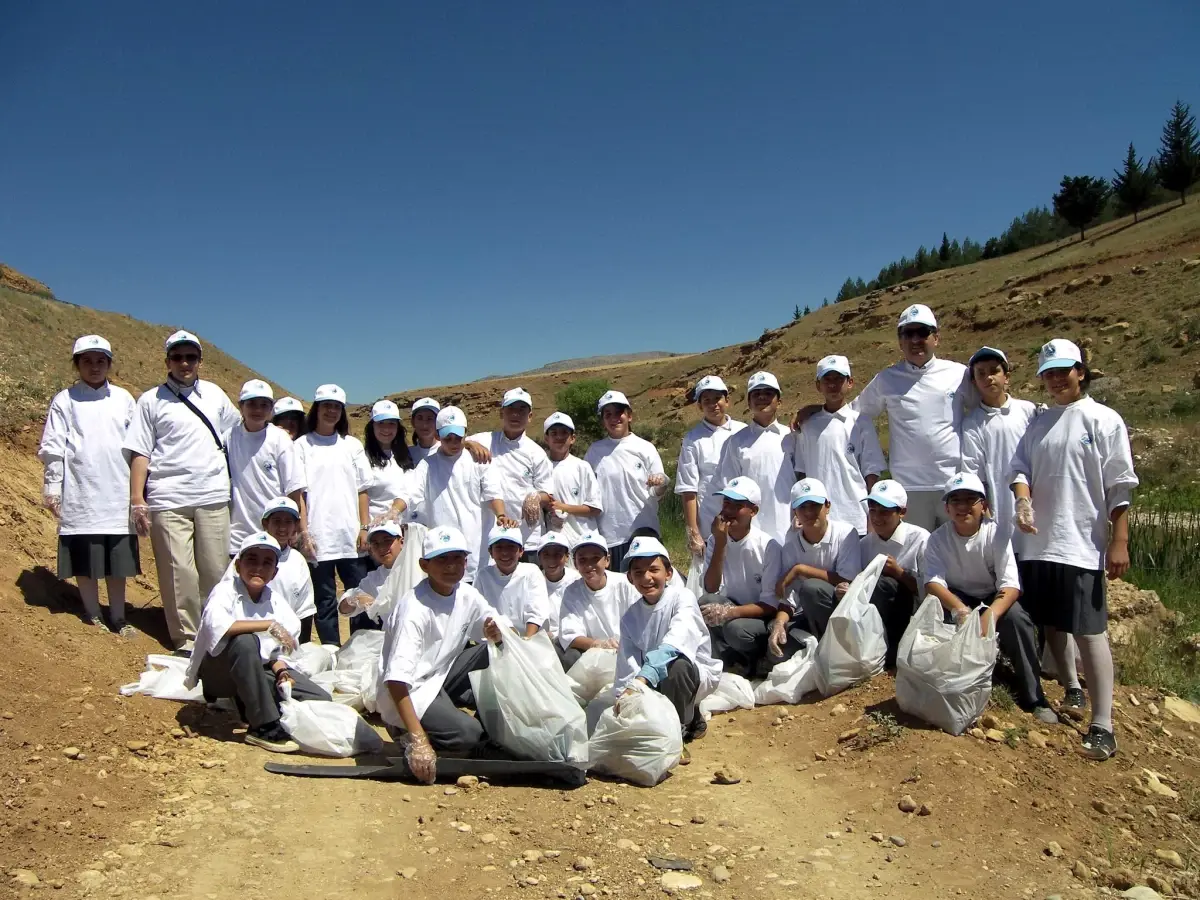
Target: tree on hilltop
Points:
(944, 249)
(1133, 185)
(1179, 152)
(1080, 200)
(578, 400)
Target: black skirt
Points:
(98, 556)
(1064, 597)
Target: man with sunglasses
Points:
(179, 484)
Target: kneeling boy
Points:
(517, 590)
(900, 587)
(385, 543)
(592, 607)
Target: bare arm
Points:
(139, 470)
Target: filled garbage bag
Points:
(639, 740)
(790, 680)
(591, 672)
(854, 645)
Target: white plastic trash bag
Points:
(695, 577)
(641, 742)
(362, 655)
(604, 700)
(344, 685)
(311, 659)
(327, 729)
(591, 672)
(163, 678)
(733, 692)
(854, 645)
(526, 704)
(406, 571)
(944, 673)
(790, 680)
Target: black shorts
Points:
(98, 556)
(1064, 597)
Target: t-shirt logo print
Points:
(638, 466)
(1086, 440)
(269, 466)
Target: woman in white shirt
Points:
(86, 483)
(338, 476)
(386, 446)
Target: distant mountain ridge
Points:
(592, 362)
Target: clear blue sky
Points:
(390, 195)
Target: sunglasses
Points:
(922, 332)
(184, 357)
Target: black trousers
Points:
(451, 730)
(1018, 639)
(680, 686)
(895, 603)
(239, 672)
(351, 571)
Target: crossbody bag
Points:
(203, 418)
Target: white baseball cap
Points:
(889, 493)
(1058, 354)
(589, 539)
(613, 398)
(500, 533)
(425, 403)
(710, 383)
(287, 405)
(964, 481)
(809, 490)
(516, 395)
(760, 380)
(987, 353)
(330, 392)
(385, 411)
(554, 539)
(280, 504)
(256, 389)
(259, 539)
(92, 342)
(445, 539)
(182, 337)
(451, 420)
(646, 546)
(742, 488)
(392, 528)
(834, 363)
(917, 314)
(558, 418)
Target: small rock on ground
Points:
(675, 882)
(897, 840)
(720, 874)
(1170, 857)
(727, 775)
(907, 804)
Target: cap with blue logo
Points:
(646, 547)
(889, 493)
(987, 353)
(426, 403)
(1058, 354)
(558, 418)
(330, 393)
(517, 395)
(451, 420)
(92, 342)
(281, 504)
(763, 381)
(259, 539)
(385, 411)
(964, 481)
(554, 539)
(710, 383)
(918, 314)
(393, 528)
(500, 533)
(287, 405)
(442, 540)
(182, 337)
(589, 539)
(256, 389)
(809, 490)
(742, 488)
(833, 363)
(613, 398)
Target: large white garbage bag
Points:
(733, 692)
(163, 678)
(791, 680)
(361, 656)
(311, 659)
(640, 743)
(944, 673)
(695, 577)
(854, 645)
(591, 672)
(327, 728)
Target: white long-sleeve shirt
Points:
(574, 484)
(230, 602)
(674, 620)
(370, 585)
(699, 458)
(292, 582)
(595, 614)
(837, 552)
(750, 569)
(841, 449)
(81, 450)
(1078, 464)
(906, 546)
(452, 490)
(978, 566)
(520, 595)
(554, 593)
(925, 408)
(622, 469)
(385, 485)
(262, 466)
(768, 456)
(337, 471)
(990, 435)
(522, 468)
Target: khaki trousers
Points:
(927, 509)
(191, 551)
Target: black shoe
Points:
(1074, 704)
(272, 737)
(1099, 744)
(696, 730)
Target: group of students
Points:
(521, 537)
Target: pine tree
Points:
(846, 291)
(807, 310)
(1179, 152)
(796, 314)
(944, 250)
(825, 302)
(1133, 185)
(1079, 200)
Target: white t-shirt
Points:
(906, 546)
(978, 566)
(186, 466)
(768, 456)
(520, 596)
(292, 582)
(622, 469)
(452, 490)
(836, 552)
(595, 614)
(229, 602)
(841, 449)
(554, 593)
(1078, 464)
(417, 453)
(262, 466)
(675, 620)
(81, 449)
(386, 484)
(751, 567)
(574, 484)
(423, 636)
(522, 468)
(990, 435)
(337, 472)
(370, 585)
(925, 408)
(699, 457)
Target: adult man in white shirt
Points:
(699, 456)
(179, 484)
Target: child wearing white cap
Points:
(263, 464)
(664, 643)
(523, 470)
(427, 660)
(554, 555)
(900, 587)
(385, 542)
(450, 489)
(699, 456)
(741, 569)
(288, 414)
(765, 450)
(517, 589)
(838, 445)
(593, 605)
(385, 444)
(86, 483)
(242, 643)
(338, 474)
(631, 477)
(1074, 467)
(969, 563)
(576, 506)
(423, 415)
(820, 559)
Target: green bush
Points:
(578, 400)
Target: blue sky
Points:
(391, 195)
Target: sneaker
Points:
(1044, 714)
(124, 629)
(1099, 743)
(1074, 704)
(272, 737)
(695, 731)
(96, 622)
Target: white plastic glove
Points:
(286, 641)
(657, 483)
(839, 590)
(421, 759)
(777, 638)
(307, 546)
(695, 543)
(716, 614)
(139, 516)
(53, 502)
(531, 509)
(1024, 514)
(609, 644)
